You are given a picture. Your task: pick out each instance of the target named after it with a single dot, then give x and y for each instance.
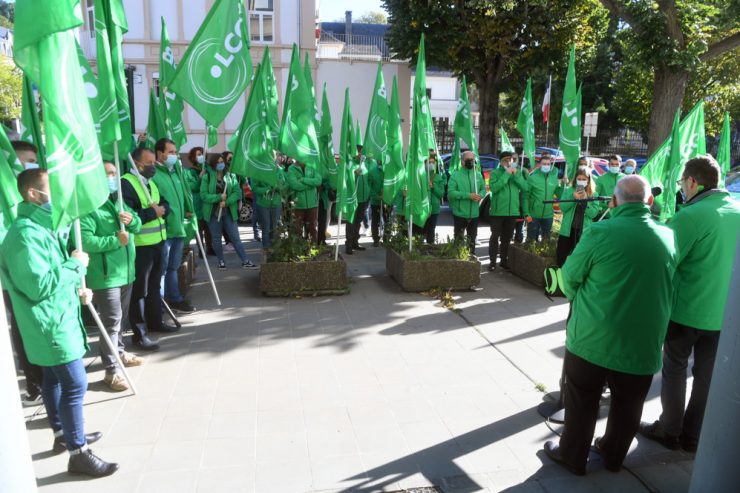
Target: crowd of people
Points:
(611, 253)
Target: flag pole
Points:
(117, 159)
(197, 234)
(339, 226)
(411, 237)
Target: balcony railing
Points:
(352, 47)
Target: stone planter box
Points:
(422, 275)
(186, 271)
(529, 266)
(317, 277)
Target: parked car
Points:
(732, 183)
(247, 209)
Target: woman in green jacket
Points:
(269, 200)
(220, 193)
(577, 216)
(193, 176)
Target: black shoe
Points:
(168, 329)
(359, 248)
(504, 266)
(348, 251)
(60, 445)
(597, 448)
(654, 431)
(181, 306)
(553, 452)
(376, 244)
(146, 344)
(89, 464)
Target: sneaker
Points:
(89, 464)
(129, 359)
(327, 234)
(249, 265)
(181, 306)
(221, 265)
(116, 382)
(654, 431)
(30, 399)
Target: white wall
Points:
(443, 102)
(168, 10)
(192, 17)
(135, 16)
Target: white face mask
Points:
(614, 169)
(546, 168)
(30, 165)
(201, 159)
(582, 183)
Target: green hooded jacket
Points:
(437, 192)
(42, 280)
(192, 179)
(173, 190)
(459, 188)
(505, 191)
(211, 198)
(620, 280)
(375, 181)
(605, 186)
(111, 265)
(569, 211)
(304, 183)
(268, 196)
(362, 182)
(542, 186)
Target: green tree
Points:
(11, 89)
(673, 41)
(7, 10)
(372, 17)
(495, 44)
(5, 22)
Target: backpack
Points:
(553, 282)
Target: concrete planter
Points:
(317, 277)
(425, 274)
(186, 271)
(529, 266)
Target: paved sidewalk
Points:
(378, 390)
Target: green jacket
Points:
(211, 198)
(42, 280)
(569, 211)
(706, 230)
(619, 278)
(605, 186)
(542, 186)
(192, 179)
(362, 181)
(268, 196)
(375, 181)
(505, 190)
(459, 188)
(437, 192)
(173, 190)
(111, 265)
(304, 183)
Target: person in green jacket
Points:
(436, 194)
(360, 167)
(43, 281)
(543, 183)
(219, 191)
(464, 199)
(172, 188)
(111, 273)
(505, 182)
(379, 213)
(327, 197)
(193, 175)
(706, 229)
(304, 183)
(269, 200)
(615, 332)
(606, 183)
(577, 216)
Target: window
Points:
(429, 93)
(91, 17)
(261, 5)
(261, 26)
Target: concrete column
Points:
(16, 469)
(716, 465)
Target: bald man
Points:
(607, 343)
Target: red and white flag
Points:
(546, 101)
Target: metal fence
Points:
(352, 47)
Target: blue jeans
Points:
(268, 218)
(228, 226)
(63, 389)
(171, 260)
(539, 227)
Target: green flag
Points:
(171, 103)
(723, 151)
(505, 143)
(114, 113)
(91, 88)
(464, 119)
(309, 82)
(155, 127)
(212, 133)
(525, 124)
(30, 124)
(418, 204)
(346, 188)
(298, 132)
(9, 195)
(326, 144)
(455, 158)
(688, 140)
(273, 118)
(376, 130)
(394, 172)
(216, 68)
(8, 153)
(570, 121)
(254, 156)
(47, 54)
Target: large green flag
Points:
(394, 171)
(326, 144)
(309, 82)
(298, 132)
(46, 52)
(346, 188)
(254, 156)
(570, 119)
(376, 130)
(273, 117)
(113, 111)
(155, 127)
(171, 103)
(216, 68)
(464, 120)
(505, 143)
(688, 140)
(30, 124)
(418, 204)
(8, 153)
(91, 88)
(211, 135)
(455, 158)
(525, 124)
(9, 195)
(723, 151)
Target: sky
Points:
(331, 10)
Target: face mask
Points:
(45, 205)
(582, 183)
(469, 163)
(220, 166)
(614, 169)
(684, 197)
(200, 159)
(148, 172)
(170, 161)
(30, 165)
(513, 165)
(112, 184)
(546, 168)
(629, 169)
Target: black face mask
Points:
(148, 172)
(469, 163)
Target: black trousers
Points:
(33, 373)
(584, 382)
(376, 211)
(566, 245)
(466, 226)
(146, 287)
(502, 230)
(322, 224)
(352, 230)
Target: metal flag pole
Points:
(339, 226)
(411, 237)
(117, 160)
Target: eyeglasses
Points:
(680, 182)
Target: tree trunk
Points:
(668, 92)
(489, 89)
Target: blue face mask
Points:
(170, 161)
(220, 166)
(30, 165)
(546, 168)
(201, 159)
(513, 165)
(629, 169)
(112, 184)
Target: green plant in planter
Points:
(542, 249)
(290, 247)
